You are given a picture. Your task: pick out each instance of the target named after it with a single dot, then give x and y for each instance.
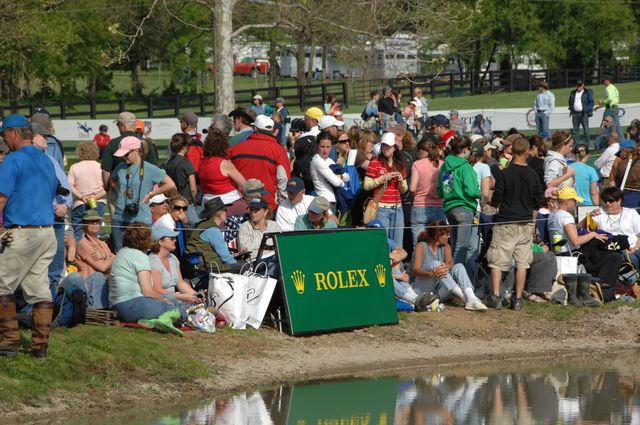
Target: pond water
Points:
(565, 394)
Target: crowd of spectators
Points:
(469, 217)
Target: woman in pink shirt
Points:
(427, 206)
(85, 180)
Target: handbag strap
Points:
(377, 198)
(630, 163)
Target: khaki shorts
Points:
(26, 262)
(511, 241)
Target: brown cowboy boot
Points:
(42, 316)
(9, 330)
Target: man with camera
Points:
(134, 181)
(27, 187)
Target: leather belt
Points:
(28, 226)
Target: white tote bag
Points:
(260, 289)
(569, 265)
(227, 292)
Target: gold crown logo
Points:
(381, 274)
(298, 281)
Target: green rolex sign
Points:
(337, 279)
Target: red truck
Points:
(251, 66)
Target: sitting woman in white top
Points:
(165, 269)
(434, 269)
(617, 220)
(324, 179)
(176, 219)
(251, 231)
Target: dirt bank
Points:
(249, 360)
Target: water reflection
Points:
(550, 397)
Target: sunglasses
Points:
(610, 201)
(180, 207)
(343, 141)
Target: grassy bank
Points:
(117, 368)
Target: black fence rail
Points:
(301, 96)
(468, 83)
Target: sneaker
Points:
(516, 304)
(475, 305)
(494, 302)
(423, 301)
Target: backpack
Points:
(70, 306)
(304, 151)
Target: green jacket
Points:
(196, 244)
(458, 184)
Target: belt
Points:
(541, 110)
(28, 226)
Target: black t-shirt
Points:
(385, 105)
(517, 194)
(179, 169)
(537, 164)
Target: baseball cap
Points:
(103, 128)
(314, 112)
(253, 186)
(91, 215)
(258, 203)
(569, 193)
(140, 126)
(159, 232)
(489, 146)
(328, 121)
(319, 205)
(158, 199)
(257, 97)
(40, 129)
(508, 141)
(477, 149)
(42, 110)
(628, 144)
(249, 115)
(295, 185)
(497, 142)
(126, 118)
(189, 117)
(475, 137)
(128, 144)
(439, 120)
(263, 123)
(453, 112)
(297, 124)
(279, 100)
(388, 139)
(14, 120)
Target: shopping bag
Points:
(227, 292)
(260, 288)
(567, 264)
(200, 319)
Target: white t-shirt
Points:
(482, 170)
(324, 180)
(287, 213)
(626, 223)
(605, 162)
(556, 222)
(577, 102)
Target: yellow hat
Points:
(569, 193)
(315, 113)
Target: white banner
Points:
(502, 119)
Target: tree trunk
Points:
(300, 62)
(486, 70)
(136, 86)
(223, 53)
(93, 80)
(476, 65)
(325, 62)
(312, 54)
(274, 67)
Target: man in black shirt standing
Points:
(386, 108)
(517, 195)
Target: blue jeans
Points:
(421, 216)
(392, 219)
(57, 264)
(117, 229)
(613, 113)
(578, 119)
(143, 308)
(631, 199)
(76, 218)
(542, 122)
(443, 288)
(461, 221)
(404, 291)
(473, 252)
(95, 285)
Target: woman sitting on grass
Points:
(131, 291)
(434, 269)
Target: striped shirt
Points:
(391, 195)
(250, 237)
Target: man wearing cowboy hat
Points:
(543, 105)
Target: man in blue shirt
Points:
(27, 188)
(543, 105)
(581, 108)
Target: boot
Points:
(9, 330)
(584, 281)
(164, 322)
(571, 283)
(42, 316)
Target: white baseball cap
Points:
(475, 137)
(264, 123)
(388, 139)
(328, 121)
(158, 199)
(257, 97)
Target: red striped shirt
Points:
(392, 194)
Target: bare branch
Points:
(250, 26)
(122, 55)
(182, 21)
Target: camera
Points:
(132, 208)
